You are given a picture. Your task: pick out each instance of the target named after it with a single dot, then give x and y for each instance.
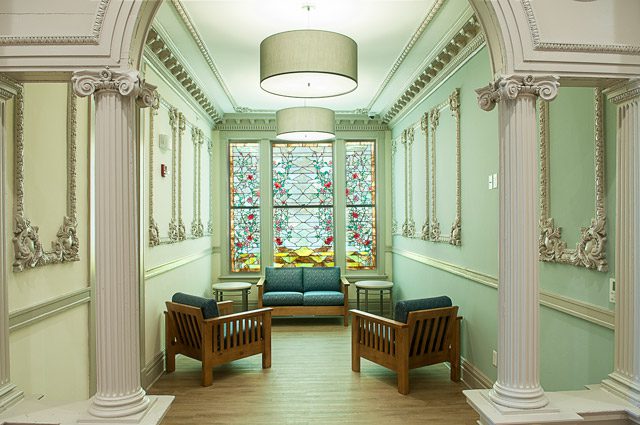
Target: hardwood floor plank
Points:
(311, 382)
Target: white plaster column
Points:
(9, 393)
(625, 379)
(119, 394)
(518, 383)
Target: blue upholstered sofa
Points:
(313, 291)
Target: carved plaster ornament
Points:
(182, 125)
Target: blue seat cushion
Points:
(323, 298)
(321, 279)
(282, 298)
(208, 306)
(283, 279)
(403, 308)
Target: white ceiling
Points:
(232, 32)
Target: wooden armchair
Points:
(218, 340)
(429, 337)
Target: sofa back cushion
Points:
(287, 279)
(321, 279)
(208, 306)
(403, 308)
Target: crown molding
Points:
(92, 39)
(407, 48)
(267, 122)
(159, 48)
(467, 41)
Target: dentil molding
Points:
(267, 122)
(590, 251)
(28, 248)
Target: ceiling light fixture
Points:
(305, 124)
(308, 64)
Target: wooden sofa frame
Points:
(429, 337)
(311, 310)
(216, 341)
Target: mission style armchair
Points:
(207, 331)
(425, 332)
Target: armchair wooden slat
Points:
(429, 337)
(218, 340)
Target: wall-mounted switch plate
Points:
(494, 360)
(490, 182)
(494, 178)
(612, 290)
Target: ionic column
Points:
(625, 379)
(9, 394)
(119, 393)
(518, 383)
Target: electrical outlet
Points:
(490, 182)
(612, 290)
(494, 360)
(494, 178)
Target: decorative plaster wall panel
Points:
(28, 249)
(590, 251)
(436, 114)
(398, 172)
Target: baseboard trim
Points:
(42, 311)
(585, 311)
(473, 377)
(152, 371)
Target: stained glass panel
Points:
(360, 194)
(303, 205)
(244, 193)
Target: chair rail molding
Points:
(590, 251)
(435, 233)
(28, 249)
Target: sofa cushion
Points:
(208, 306)
(283, 279)
(403, 308)
(282, 298)
(323, 298)
(321, 279)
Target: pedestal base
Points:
(623, 388)
(75, 413)
(594, 406)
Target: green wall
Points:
(574, 352)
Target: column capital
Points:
(624, 92)
(509, 87)
(127, 83)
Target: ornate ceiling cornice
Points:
(268, 123)
(164, 54)
(416, 36)
(460, 47)
(93, 38)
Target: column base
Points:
(119, 407)
(594, 405)
(518, 399)
(623, 388)
(41, 412)
(9, 395)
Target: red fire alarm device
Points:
(163, 170)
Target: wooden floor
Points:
(311, 382)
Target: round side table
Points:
(220, 287)
(374, 285)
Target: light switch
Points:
(612, 290)
(490, 182)
(494, 177)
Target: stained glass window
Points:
(303, 204)
(244, 200)
(360, 193)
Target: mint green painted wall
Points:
(574, 352)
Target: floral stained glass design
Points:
(303, 205)
(244, 193)
(360, 194)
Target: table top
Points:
(374, 284)
(231, 286)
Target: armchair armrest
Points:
(344, 281)
(225, 307)
(260, 286)
(378, 319)
(261, 282)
